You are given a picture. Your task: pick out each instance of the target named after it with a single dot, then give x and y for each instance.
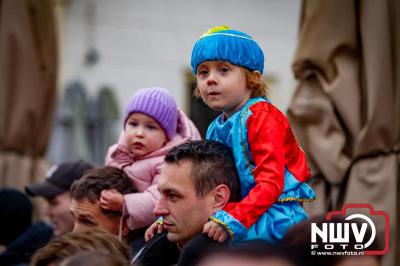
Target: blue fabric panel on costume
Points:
(293, 189)
(233, 136)
(273, 225)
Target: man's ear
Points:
(125, 228)
(220, 197)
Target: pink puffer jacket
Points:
(145, 172)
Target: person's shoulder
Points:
(197, 248)
(269, 113)
(158, 251)
(264, 106)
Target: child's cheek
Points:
(203, 96)
(128, 137)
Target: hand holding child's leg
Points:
(111, 199)
(215, 231)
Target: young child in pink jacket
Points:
(152, 125)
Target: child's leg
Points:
(273, 225)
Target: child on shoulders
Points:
(152, 125)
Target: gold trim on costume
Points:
(224, 225)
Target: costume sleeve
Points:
(140, 205)
(266, 134)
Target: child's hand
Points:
(111, 199)
(156, 227)
(215, 231)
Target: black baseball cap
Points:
(59, 178)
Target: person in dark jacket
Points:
(18, 234)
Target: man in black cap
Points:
(55, 190)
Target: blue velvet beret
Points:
(222, 43)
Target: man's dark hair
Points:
(213, 165)
(96, 180)
(88, 239)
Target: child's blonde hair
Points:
(257, 86)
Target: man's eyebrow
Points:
(171, 191)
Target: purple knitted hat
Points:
(157, 103)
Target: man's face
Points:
(184, 213)
(59, 214)
(88, 214)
